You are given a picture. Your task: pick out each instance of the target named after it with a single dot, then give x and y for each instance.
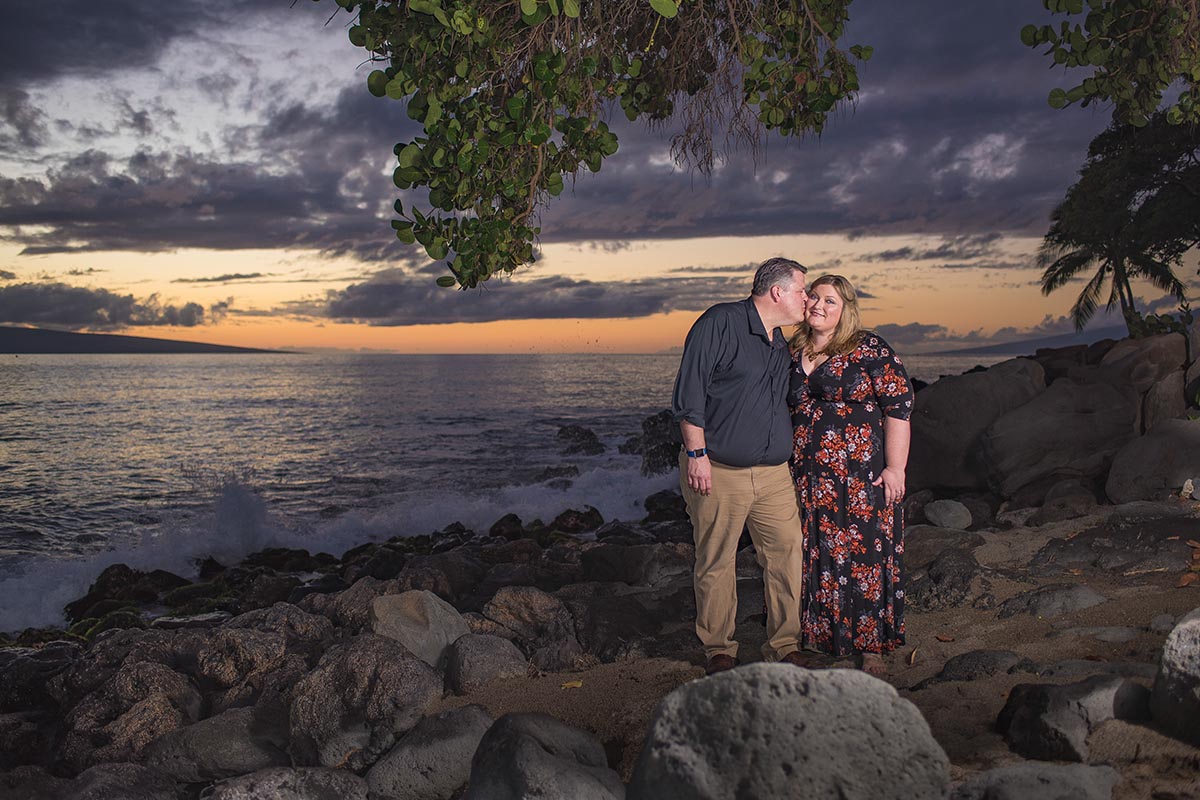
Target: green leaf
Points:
(529, 7)
(1057, 98)
(446, 281)
(1029, 35)
(554, 184)
(398, 207)
(377, 83)
(554, 7)
(668, 8)
(437, 249)
(409, 155)
(395, 89)
(404, 232)
(434, 114)
(358, 35)
(635, 68)
(571, 8)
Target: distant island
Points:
(1028, 346)
(20, 341)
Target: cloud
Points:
(959, 247)
(5, 275)
(394, 297)
(21, 123)
(74, 307)
(230, 278)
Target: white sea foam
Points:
(239, 523)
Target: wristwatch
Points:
(703, 451)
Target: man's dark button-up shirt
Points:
(733, 382)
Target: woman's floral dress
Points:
(853, 548)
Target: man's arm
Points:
(699, 470)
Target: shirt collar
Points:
(759, 329)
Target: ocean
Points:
(157, 461)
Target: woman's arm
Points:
(896, 435)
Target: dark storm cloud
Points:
(5, 275)
(913, 333)
(393, 297)
(21, 123)
(73, 307)
(951, 134)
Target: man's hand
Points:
(699, 475)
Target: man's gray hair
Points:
(773, 272)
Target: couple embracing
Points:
(804, 442)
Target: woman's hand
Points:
(892, 480)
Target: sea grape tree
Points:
(513, 98)
(1135, 51)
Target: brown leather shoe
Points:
(720, 663)
(797, 659)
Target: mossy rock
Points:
(193, 592)
(117, 619)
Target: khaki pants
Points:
(762, 499)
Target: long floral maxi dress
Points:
(853, 548)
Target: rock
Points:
(1123, 545)
(381, 560)
(1163, 623)
(535, 755)
(25, 738)
(282, 559)
(952, 579)
(667, 505)
(476, 660)
(139, 703)
(1165, 400)
(233, 653)
(924, 543)
(763, 730)
(1150, 467)
(950, 416)
(176, 650)
(576, 521)
(983, 512)
(363, 693)
(352, 607)
(24, 672)
(294, 624)
(1141, 363)
(659, 444)
(1052, 600)
(433, 760)
(645, 565)
(1175, 702)
(972, 666)
(223, 746)
(1074, 428)
(452, 576)
(543, 625)
(509, 527)
(284, 783)
(119, 582)
(1191, 388)
(1113, 634)
(421, 621)
(1052, 722)
(608, 624)
(579, 441)
(264, 688)
(267, 590)
(948, 514)
(101, 782)
(517, 551)
(1065, 500)
(1080, 668)
(212, 619)
(1040, 781)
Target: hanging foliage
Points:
(513, 95)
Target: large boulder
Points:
(452, 576)
(1052, 600)
(351, 608)
(544, 627)
(362, 695)
(296, 625)
(120, 584)
(1141, 363)
(226, 745)
(24, 672)
(645, 564)
(772, 730)
(950, 416)
(1052, 722)
(233, 653)
(141, 702)
(1175, 702)
(284, 783)
(433, 760)
(1154, 465)
(534, 755)
(477, 659)
(101, 782)
(176, 650)
(420, 620)
(1074, 428)
(1165, 400)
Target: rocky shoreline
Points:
(1053, 581)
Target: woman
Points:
(851, 400)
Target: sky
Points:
(218, 172)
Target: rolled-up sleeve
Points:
(701, 352)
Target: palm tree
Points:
(1133, 213)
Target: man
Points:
(731, 404)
